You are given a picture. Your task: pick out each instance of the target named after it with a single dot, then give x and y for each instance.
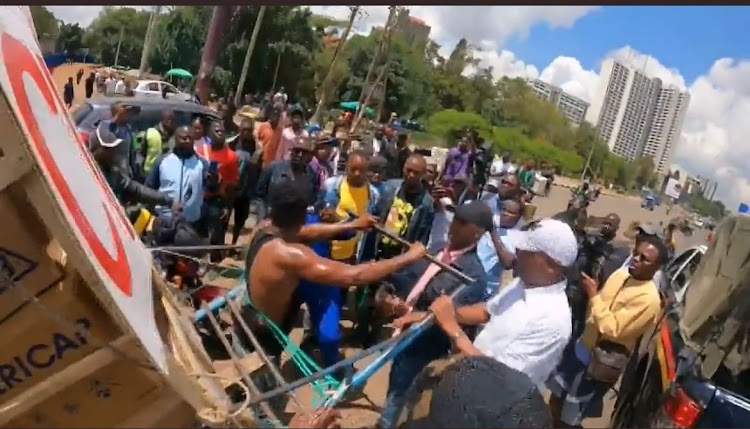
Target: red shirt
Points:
(229, 165)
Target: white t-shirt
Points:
(110, 85)
(120, 87)
(528, 328)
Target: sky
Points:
(703, 49)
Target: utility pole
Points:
(149, 40)
(219, 21)
(327, 80)
(248, 55)
(363, 105)
(119, 43)
(588, 160)
(376, 57)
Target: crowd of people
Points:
(536, 317)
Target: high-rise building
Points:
(637, 115)
(573, 108)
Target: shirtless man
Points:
(277, 260)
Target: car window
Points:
(153, 86)
(145, 119)
(170, 89)
(676, 264)
(80, 113)
(684, 274)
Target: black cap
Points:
(476, 213)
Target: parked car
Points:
(87, 116)
(155, 88)
(693, 370)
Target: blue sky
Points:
(705, 49)
(689, 38)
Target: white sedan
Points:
(155, 88)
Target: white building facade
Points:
(637, 115)
(573, 108)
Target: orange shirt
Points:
(229, 165)
(269, 140)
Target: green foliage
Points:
(103, 35)
(704, 207)
(45, 22)
(70, 38)
(451, 124)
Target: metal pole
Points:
(588, 160)
(149, 41)
(248, 55)
(119, 43)
(219, 21)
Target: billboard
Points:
(744, 208)
(673, 189)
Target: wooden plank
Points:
(15, 160)
(62, 380)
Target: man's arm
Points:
(141, 193)
(332, 231)
(506, 257)
(307, 265)
(153, 180)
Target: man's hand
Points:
(404, 322)
(364, 222)
(444, 311)
(416, 252)
(329, 215)
(318, 419)
(589, 285)
(177, 207)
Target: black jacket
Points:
(128, 190)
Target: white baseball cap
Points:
(553, 238)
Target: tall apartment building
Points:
(637, 115)
(415, 31)
(573, 108)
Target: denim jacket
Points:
(419, 224)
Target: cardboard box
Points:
(23, 255)
(103, 399)
(44, 337)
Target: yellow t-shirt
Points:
(355, 200)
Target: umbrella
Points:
(354, 105)
(180, 73)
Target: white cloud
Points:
(714, 139)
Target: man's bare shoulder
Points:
(288, 253)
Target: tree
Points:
(179, 39)
(70, 38)
(103, 35)
(45, 23)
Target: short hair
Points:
(288, 202)
(473, 392)
(358, 153)
(659, 244)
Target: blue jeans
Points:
(324, 304)
(405, 368)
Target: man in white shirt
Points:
(528, 322)
(502, 166)
(109, 85)
(120, 87)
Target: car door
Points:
(680, 271)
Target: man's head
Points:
(70, 80)
(121, 112)
(223, 110)
(415, 168)
(543, 251)
(288, 204)
(463, 145)
(610, 226)
(470, 222)
(198, 128)
(103, 145)
(167, 120)
(274, 115)
(401, 140)
(218, 133)
(506, 157)
(491, 187)
(183, 140)
(511, 213)
(301, 153)
(246, 136)
(298, 118)
(324, 149)
(378, 165)
(648, 257)
(510, 187)
(357, 166)
(472, 392)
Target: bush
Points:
(522, 148)
(451, 124)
